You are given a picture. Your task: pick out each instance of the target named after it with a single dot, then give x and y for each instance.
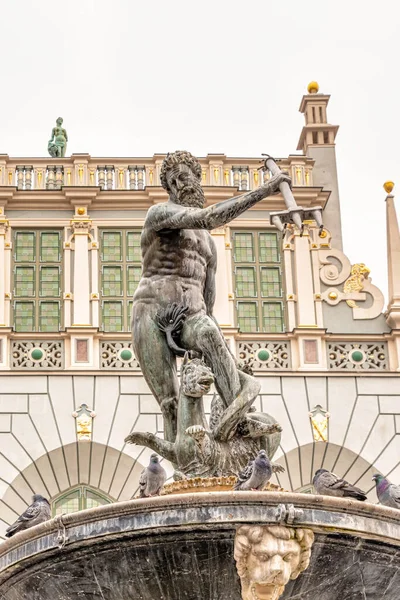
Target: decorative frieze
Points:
(264, 355)
(356, 355)
(117, 355)
(37, 354)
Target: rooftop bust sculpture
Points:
(179, 266)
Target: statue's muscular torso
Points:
(178, 266)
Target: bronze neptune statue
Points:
(178, 285)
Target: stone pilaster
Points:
(80, 227)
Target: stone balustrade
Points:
(137, 174)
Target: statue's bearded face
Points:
(270, 565)
(184, 186)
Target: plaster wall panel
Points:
(36, 481)
(121, 474)
(341, 399)
(8, 514)
(106, 398)
(22, 487)
(13, 451)
(83, 391)
(42, 416)
(46, 471)
(389, 457)
(367, 485)
(96, 464)
(27, 436)
(273, 405)
(389, 404)
(61, 397)
(380, 436)
(13, 403)
(3, 527)
(378, 385)
(125, 416)
(270, 385)
(134, 385)
(110, 464)
(319, 449)
(295, 399)
(16, 502)
(146, 423)
(3, 487)
(365, 413)
(397, 421)
(331, 455)
(306, 459)
(71, 458)
(148, 404)
(316, 391)
(5, 423)
(57, 460)
(293, 462)
(84, 455)
(283, 479)
(28, 384)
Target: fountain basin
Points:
(180, 547)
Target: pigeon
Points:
(328, 484)
(388, 493)
(152, 478)
(257, 473)
(38, 512)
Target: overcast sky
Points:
(135, 78)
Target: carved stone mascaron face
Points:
(270, 565)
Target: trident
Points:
(293, 213)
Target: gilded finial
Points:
(388, 186)
(313, 87)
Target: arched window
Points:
(78, 498)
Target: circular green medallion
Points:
(263, 355)
(37, 354)
(126, 354)
(357, 355)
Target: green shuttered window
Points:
(37, 281)
(120, 272)
(257, 274)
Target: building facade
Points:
(311, 325)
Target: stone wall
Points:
(40, 452)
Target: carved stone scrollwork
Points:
(357, 285)
(268, 556)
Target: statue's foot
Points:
(179, 476)
(197, 432)
(257, 428)
(138, 437)
(277, 468)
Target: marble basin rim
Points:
(210, 510)
(320, 513)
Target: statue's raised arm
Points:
(181, 178)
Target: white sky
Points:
(134, 78)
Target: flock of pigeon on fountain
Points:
(254, 477)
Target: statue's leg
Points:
(158, 364)
(201, 333)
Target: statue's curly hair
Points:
(176, 158)
(247, 535)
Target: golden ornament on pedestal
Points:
(388, 186)
(313, 87)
